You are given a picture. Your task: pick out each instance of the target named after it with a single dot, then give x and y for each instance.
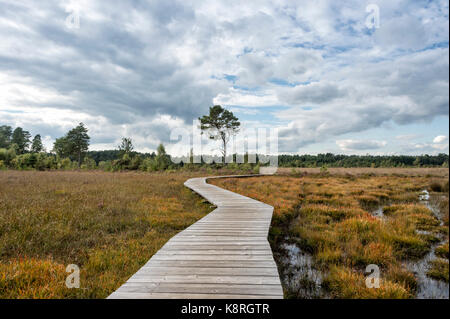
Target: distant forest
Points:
(320, 160)
(332, 160)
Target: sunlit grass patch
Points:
(109, 224)
(32, 278)
(421, 216)
(345, 283)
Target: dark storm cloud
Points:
(109, 70)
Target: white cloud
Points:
(440, 139)
(438, 145)
(369, 95)
(249, 99)
(359, 145)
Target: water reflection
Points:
(300, 278)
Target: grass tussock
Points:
(109, 224)
(342, 282)
(442, 250)
(439, 269)
(331, 218)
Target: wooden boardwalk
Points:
(223, 255)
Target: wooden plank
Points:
(224, 255)
(155, 270)
(214, 252)
(205, 279)
(213, 239)
(216, 226)
(203, 288)
(228, 246)
(215, 257)
(128, 295)
(212, 263)
(224, 240)
(218, 231)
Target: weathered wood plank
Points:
(228, 246)
(135, 295)
(214, 257)
(155, 270)
(212, 263)
(205, 279)
(145, 287)
(214, 252)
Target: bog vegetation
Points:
(109, 224)
(332, 217)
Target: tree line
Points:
(337, 160)
(71, 151)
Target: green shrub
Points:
(105, 166)
(3, 154)
(7, 155)
(41, 163)
(246, 167)
(65, 163)
(25, 161)
(88, 163)
(135, 163)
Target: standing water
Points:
(300, 278)
(428, 288)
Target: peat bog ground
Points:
(328, 227)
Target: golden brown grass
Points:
(109, 224)
(330, 217)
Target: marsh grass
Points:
(439, 269)
(330, 217)
(442, 250)
(109, 224)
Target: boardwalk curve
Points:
(223, 255)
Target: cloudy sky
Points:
(321, 72)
